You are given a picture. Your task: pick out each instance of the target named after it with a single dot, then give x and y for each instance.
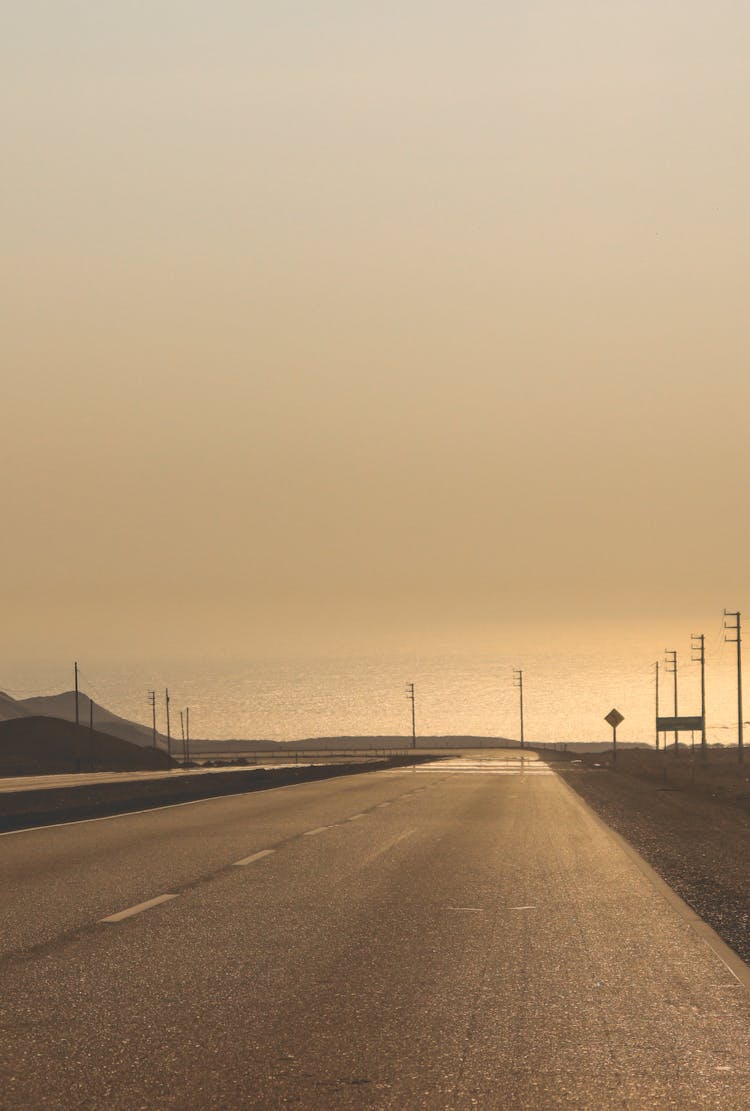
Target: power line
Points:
(90, 687)
(169, 732)
(737, 628)
(698, 644)
(518, 682)
(152, 700)
(410, 698)
(656, 667)
(671, 669)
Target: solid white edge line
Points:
(147, 810)
(138, 908)
(707, 934)
(355, 817)
(255, 856)
(318, 829)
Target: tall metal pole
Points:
(169, 733)
(699, 646)
(656, 665)
(518, 681)
(187, 731)
(737, 628)
(410, 696)
(152, 700)
(182, 729)
(676, 734)
(75, 672)
(671, 667)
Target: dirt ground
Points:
(694, 829)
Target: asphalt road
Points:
(450, 938)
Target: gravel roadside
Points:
(699, 846)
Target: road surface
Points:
(465, 936)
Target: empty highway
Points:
(462, 935)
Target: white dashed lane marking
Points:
(255, 856)
(130, 912)
(139, 908)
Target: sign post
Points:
(614, 718)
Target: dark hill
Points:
(10, 708)
(47, 746)
(64, 706)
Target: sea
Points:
(565, 695)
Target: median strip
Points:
(62, 805)
(139, 908)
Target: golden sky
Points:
(371, 324)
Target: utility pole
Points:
(410, 697)
(737, 628)
(152, 700)
(169, 734)
(656, 665)
(518, 682)
(187, 732)
(182, 730)
(698, 644)
(75, 672)
(671, 667)
(91, 734)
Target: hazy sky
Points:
(371, 324)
